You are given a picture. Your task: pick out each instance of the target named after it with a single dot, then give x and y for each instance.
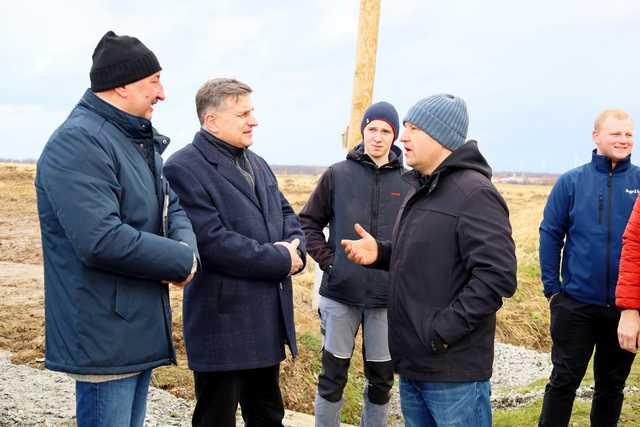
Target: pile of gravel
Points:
(516, 366)
(30, 397)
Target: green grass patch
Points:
(527, 415)
(352, 398)
(311, 342)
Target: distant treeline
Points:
(298, 169)
(529, 174)
(502, 176)
(5, 160)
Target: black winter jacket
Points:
(354, 190)
(452, 260)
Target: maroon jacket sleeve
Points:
(314, 217)
(628, 288)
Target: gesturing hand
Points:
(363, 251)
(296, 261)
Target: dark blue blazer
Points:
(238, 312)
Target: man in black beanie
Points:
(366, 188)
(113, 238)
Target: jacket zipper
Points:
(374, 207)
(393, 294)
(600, 207)
(608, 269)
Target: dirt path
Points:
(35, 397)
(21, 283)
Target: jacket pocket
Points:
(122, 301)
(331, 264)
(428, 335)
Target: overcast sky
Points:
(534, 74)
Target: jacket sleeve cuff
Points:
(448, 328)
(384, 256)
(551, 290)
(184, 255)
(284, 266)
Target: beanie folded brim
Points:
(123, 73)
(381, 111)
(442, 117)
(435, 128)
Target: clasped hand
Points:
(296, 261)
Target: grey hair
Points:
(213, 93)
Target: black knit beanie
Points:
(381, 111)
(120, 60)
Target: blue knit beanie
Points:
(381, 111)
(444, 117)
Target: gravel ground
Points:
(516, 366)
(32, 397)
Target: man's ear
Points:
(211, 123)
(122, 91)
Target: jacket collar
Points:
(133, 126)
(466, 157)
(225, 148)
(395, 157)
(204, 143)
(603, 163)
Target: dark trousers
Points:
(257, 391)
(575, 329)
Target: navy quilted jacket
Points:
(106, 246)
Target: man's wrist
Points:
(630, 312)
(194, 266)
(554, 291)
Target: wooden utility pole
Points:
(366, 48)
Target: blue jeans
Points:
(117, 403)
(427, 404)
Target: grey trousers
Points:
(339, 324)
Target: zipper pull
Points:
(165, 207)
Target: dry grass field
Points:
(523, 320)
